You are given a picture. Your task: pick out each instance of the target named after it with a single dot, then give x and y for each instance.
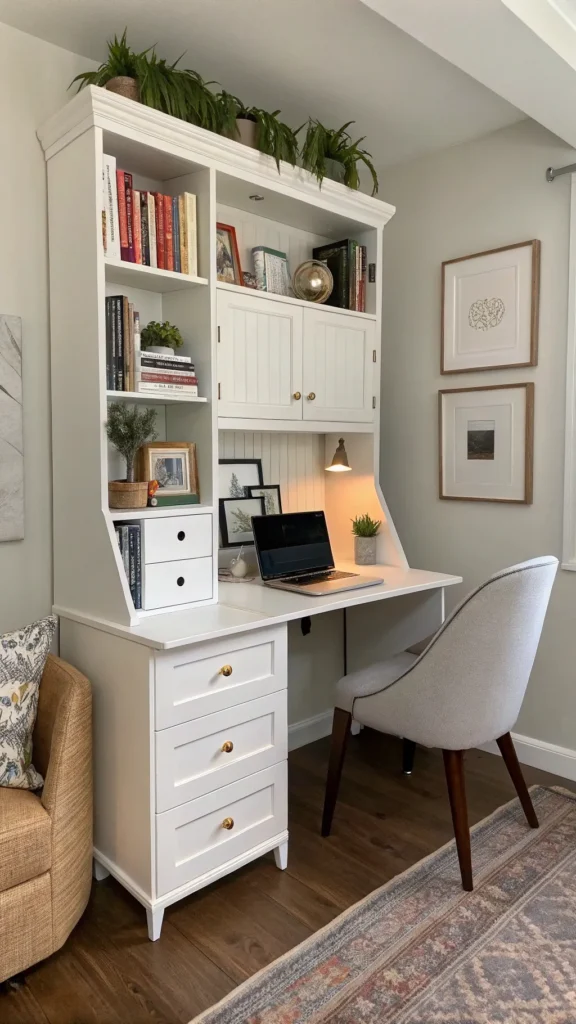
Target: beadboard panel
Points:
(295, 461)
(252, 231)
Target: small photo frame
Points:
(228, 266)
(271, 495)
(235, 475)
(173, 464)
(490, 309)
(486, 443)
(236, 520)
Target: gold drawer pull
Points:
(228, 823)
(226, 670)
(227, 747)
(311, 396)
(297, 395)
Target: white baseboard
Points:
(538, 754)
(309, 729)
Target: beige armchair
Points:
(46, 838)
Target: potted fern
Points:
(128, 428)
(334, 154)
(257, 128)
(365, 530)
(162, 338)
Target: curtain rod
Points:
(555, 172)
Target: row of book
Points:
(130, 544)
(146, 227)
(347, 261)
(130, 368)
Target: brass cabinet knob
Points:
(227, 747)
(228, 823)
(297, 395)
(226, 670)
(311, 396)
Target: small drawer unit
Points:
(176, 538)
(195, 758)
(178, 582)
(219, 674)
(205, 834)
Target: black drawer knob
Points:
(181, 535)
(180, 581)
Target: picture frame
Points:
(486, 442)
(490, 309)
(173, 464)
(228, 266)
(235, 515)
(235, 475)
(271, 495)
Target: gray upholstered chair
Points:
(465, 689)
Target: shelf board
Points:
(159, 513)
(159, 398)
(242, 290)
(150, 278)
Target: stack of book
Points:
(161, 373)
(122, 344)
(130, 544)
(347, 262)
(147, 227)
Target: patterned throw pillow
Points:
(22, 658)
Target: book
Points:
(109, 352)
(119, 334)
(125, 550)
(191, 233)
(138, 566)
(160, 231)
(165, 365)
(157, 387)
(131, 356)
(129, 216)
(136, 337)
(145, 228)
(271, 270)
(169, 377)
(122, 214)
(168, 233)
(137, 226)
(340, 258)
(165, 500)
(176, 233)
(152, 229)
(132, 562)
(183, 236)
(126, 343)
(110, 199)
(154, 357)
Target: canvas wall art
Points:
(11, 430)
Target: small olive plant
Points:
(128, 428)
(161, 334)
(365, 526)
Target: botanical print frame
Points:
(486, 439)
(235, 515)
(236, 475)
(271, 495)
(11, 430)
(228, 266)
(172, 463)
(490, 304)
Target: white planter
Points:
(365, 550)
(159, 350)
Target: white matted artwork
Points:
(11, 430)
(490, 309)
(486, 443)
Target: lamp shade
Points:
(339, 463)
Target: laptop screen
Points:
(291, 543)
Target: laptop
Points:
(294, 553)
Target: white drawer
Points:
(191, 840)
(177, 537)
(190, 681)
(195, 758)
(168, 583)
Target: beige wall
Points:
(34, 77)
(463, 200)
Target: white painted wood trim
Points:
(294, 426)
(538, 754)
(309, 730)
(569, 533)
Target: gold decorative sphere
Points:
(312, 281)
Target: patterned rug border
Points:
(396, 880)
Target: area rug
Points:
(422, 951)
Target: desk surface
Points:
(245, 606)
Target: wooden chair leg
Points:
(454, 768)
(340, 733)
(408, 752)
(510, 757)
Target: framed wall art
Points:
(236, 475)
(490, 309)
(173, 464)
(11, 430)
(271, 495)
(228, 267)
(236, 520)
(486, 443)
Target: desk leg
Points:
(154, 920)
(99, 871)
(281, 856)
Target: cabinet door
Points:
(259, 357)
(338, 367)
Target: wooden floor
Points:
(109, 973)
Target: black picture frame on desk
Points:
(233, 514)
(271, 495)
(236, 475)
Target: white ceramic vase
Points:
(365, 550)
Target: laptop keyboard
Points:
(320, 577)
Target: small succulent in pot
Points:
(164, 337)
(128, 428)
(334, 154)
(257, 128)
(365, 530)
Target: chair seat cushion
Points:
(372, 679)
(25, 837)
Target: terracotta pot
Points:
(365, 550)
(122, 494)
(124, 86)
(247, 132)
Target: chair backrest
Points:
(467, 687)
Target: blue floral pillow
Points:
(22, 658)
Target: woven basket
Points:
(124, 86)
(122, 494)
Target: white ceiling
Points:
(335, 59)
